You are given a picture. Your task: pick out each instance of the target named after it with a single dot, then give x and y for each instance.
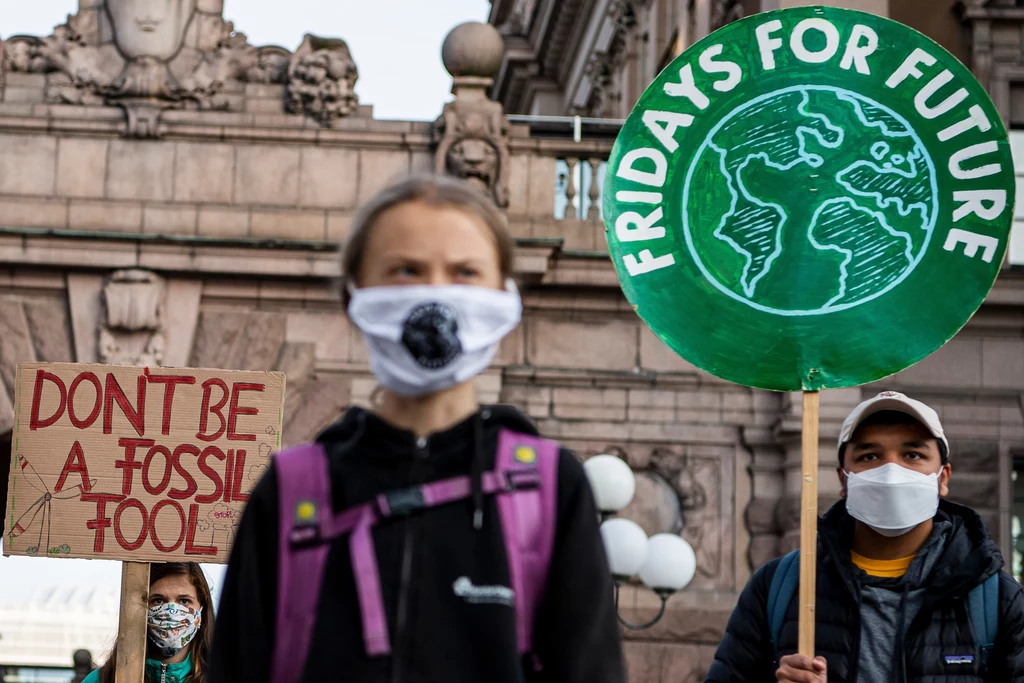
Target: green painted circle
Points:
(821, 223)
(729, 161)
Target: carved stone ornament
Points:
(683, 493)
(697, 482)
(603, 68)
(604, 96)
(623, 13)
(148, 56)
(132, 332)
(472, 143)
(519, 19)
(726, 12)
(321, 80)
(472, 132)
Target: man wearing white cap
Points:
(910, 586)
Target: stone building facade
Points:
(583, 64)
(593, 58)
(181, 201)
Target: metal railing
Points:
(581, 160)
(576, 127)
(36, 674)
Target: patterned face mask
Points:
(172, 626)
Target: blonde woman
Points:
(453, 543)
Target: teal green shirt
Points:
(158, 672)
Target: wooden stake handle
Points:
(131, 628)
(808, 523)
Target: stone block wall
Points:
(34, 326)
(228, 183)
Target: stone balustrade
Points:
(556, 179)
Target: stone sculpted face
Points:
(150, 28)
(475, 160)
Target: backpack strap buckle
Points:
(522, 480)
(401, 502)
(304, 536)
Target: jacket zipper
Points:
(163, 673)
(408, 547)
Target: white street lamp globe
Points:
(626, 545)
(612, 481)
(671, 563)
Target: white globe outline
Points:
(930, 229)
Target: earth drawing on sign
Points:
(863, 216)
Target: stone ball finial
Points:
(473, 49)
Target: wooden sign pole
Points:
(808, 523)
(131, 627)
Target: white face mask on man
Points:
(423, 339)
(892, 499)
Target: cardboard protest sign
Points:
(799, 183)
(141, 464)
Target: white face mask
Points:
(891, 499)
(424, 339)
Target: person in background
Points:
(179, 627)
(83, 665)
(428, 280)
(910, 587)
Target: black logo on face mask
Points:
(431, 335)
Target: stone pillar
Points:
(768, 487)
(472, 132)
(880, 7)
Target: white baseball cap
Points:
(893, 400)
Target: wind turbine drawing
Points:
(41, 511)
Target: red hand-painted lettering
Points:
(217, 409)
(170, 382)
(234, 410)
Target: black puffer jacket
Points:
(941, 628)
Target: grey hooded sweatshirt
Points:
(889, 605)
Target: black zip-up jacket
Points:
(436, 636)
(941, 628)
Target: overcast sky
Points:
(396, 45)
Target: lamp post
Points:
(665, 563)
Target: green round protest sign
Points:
(809, 198)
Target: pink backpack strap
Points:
(525, 481)
(371, 600)
(304, 492)
(358, 523)
(529, 519)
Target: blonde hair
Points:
(435, 190)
